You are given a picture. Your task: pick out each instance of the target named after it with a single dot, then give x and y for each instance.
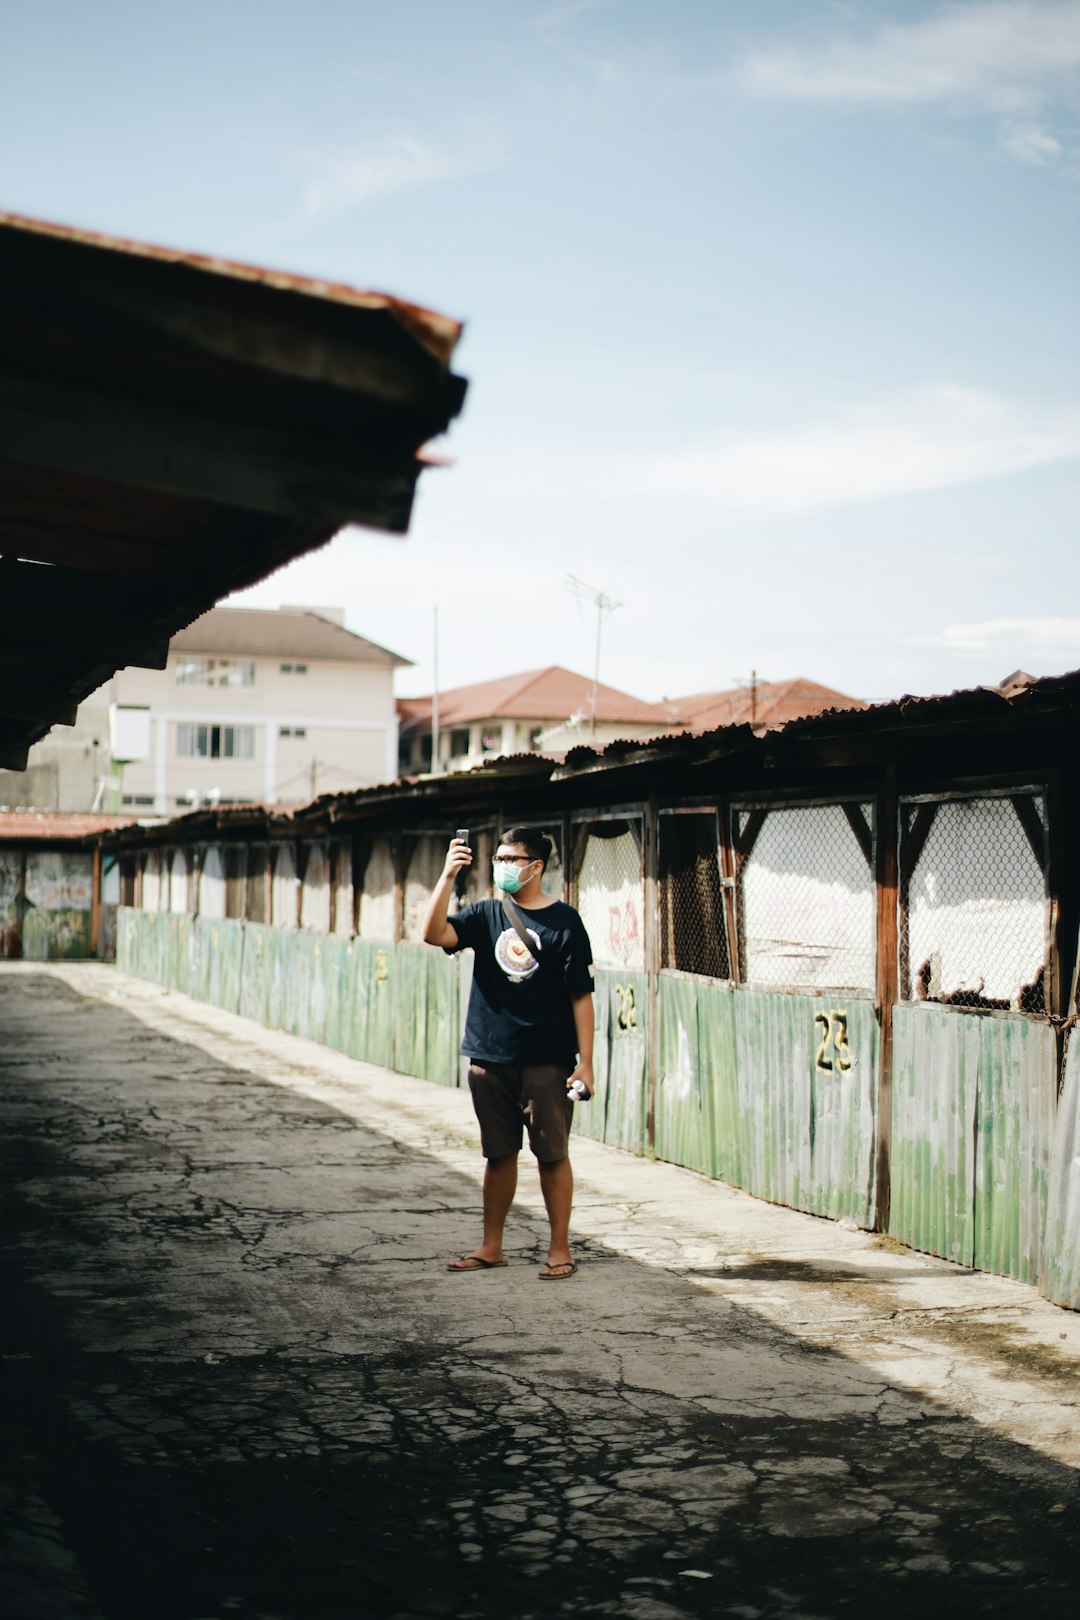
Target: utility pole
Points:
(603, 604)
(754, 686)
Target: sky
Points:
(772, 333)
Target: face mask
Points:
(508, 877)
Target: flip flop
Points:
(557, 1272)
(473, 1262)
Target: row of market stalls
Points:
(835, 963)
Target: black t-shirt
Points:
(519, 1010)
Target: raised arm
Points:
(437, 929)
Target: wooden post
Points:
(298, 857)
(886, 985)
(727, 872)
(1063, 910)
(397, 843)
(95, 901)
(651, 857)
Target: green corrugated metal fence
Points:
(974, 1100)
(617, 1112)
(775, 1092)
(1060, 1273)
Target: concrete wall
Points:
(46, 900)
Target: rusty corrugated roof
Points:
(439, 333)
(175, 427)
(35, 826)
(768, 704)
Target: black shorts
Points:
(510, 1097)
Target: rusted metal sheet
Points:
(616, 1114)
(1059, 1277)
(1017, 1103)
(255, 973)
(973, 1111)
(807, 1073)
(439, 333)
(935, 1103)
(844, 1108)
(59, 879)
(426, 1013)
(50, 936)
(224, 948)
(56, 904)
(11, 902)
(686, 1128)
(371, 1021)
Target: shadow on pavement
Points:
(239, 1382)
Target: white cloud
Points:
(1049, 637)
(349, 179)
(1003, 56)
(1029, 143)
(931, 440)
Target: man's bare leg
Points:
(500, 1185)
(557, 1186)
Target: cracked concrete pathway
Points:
(240, 1383)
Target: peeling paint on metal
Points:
(973, 1111)
(1060, 1272)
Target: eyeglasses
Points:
(513, 860)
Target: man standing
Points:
(528, 1033)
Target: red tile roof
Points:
(539, 694)
(774, 703)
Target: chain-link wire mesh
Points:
(375, 911)
(806, 896)
(155, 887)
(610, 892)
(283, 886)
(552, 881)
(341, 886)
(211, 883)
(256, 883)
(973, 901)
(235, 862)
(424, 856)
(693, 929)
(315, 889)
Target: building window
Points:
(459, 741)
(215, 742)
(215, 672)
(292, 731)
(536, 738)
(491, 741)
(137, 798)
(293, 669)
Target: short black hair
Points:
(536, 844)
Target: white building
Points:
(255, 706)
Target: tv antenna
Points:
(604, 605)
